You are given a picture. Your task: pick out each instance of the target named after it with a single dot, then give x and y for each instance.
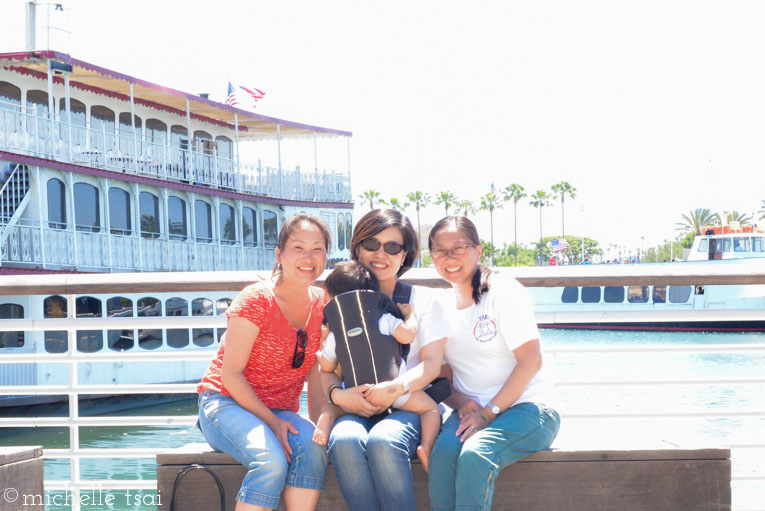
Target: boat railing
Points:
(30, 131)
(73, 285)
(35, 243)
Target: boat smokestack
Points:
(31, 26)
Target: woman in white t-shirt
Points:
(503, 406)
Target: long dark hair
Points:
(466, 227)
(375, 222)
(293, 224)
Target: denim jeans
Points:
(230, 428)
(371, 460)
(462, 475)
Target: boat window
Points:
(613, 294)
(340, 231)
(726, 245)
(570, 294)
(679, 294)
(119, 211)
(270, 228)
(156, 140)
(202, 307)
(149, 307)
(55, 341)
(225, 154)
(758, 245)
(177, 337)
(120, 307)
(659, 294)
(220, 308)
(704, 245)
(590, 294)
(101, 128)
(249, 227)
(637, 294)
(348, 229)
(9, 94)
(176, 215)
(127, 141)
(87, 211)
(11, 339)
(56, 204)
(37, 103)
(227, 225)
(149, 204)
(741, 244)
(203, 221)
(78, 124)
(89, 341)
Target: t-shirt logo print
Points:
(485, 329)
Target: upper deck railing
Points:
(73, 285)
(29, 131)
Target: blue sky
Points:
(649, 109)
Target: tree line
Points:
(490, 202)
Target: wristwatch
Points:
(495, 409)
(405, 385)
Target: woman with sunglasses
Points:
(370, 450)
(249, 395)
(503, 405)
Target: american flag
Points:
(559, 245)
(242, 97)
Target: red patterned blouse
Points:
(269, 370)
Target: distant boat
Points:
(730, 244)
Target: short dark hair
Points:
(350, 276)
(375, 222)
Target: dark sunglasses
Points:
(390, 247)
(299, 356)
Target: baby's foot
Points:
(321, 431)
(424, 454)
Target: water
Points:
(620, 432)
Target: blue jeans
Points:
(462, 475)
(230, 428)
(371, 460)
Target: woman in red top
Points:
(248, 399)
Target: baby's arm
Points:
(406, 331)
(327, 357)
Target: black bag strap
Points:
(190, 468)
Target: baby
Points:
(350, 276)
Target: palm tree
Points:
(540, 199)
(466, 206)
(514, 192)
(735, 216)
(695, 220)
(561, 190)
(490, 202)
(420, 200)
(448, 199)
(371, 196)
(396, 204)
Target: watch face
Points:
(494, 409)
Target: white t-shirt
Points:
(430, 324)
(482, 339)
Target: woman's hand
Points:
(384, 394)
(471, 422)
(282, 429)
(353, 401)
(467, 407)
